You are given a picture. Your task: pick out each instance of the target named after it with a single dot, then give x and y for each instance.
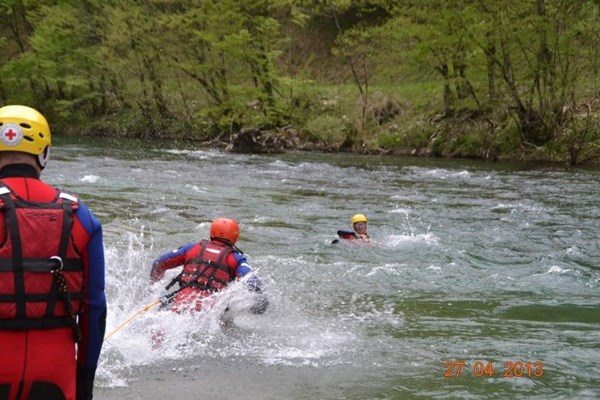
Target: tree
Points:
(535, 58)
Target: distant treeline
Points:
(471, 78)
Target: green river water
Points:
(481, 282)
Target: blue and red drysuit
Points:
(208, 266)
(52, 302)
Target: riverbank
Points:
(270, 141)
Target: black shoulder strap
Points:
(10, 216)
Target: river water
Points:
(481, 280)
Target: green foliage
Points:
(509, 140)
(329, 130)
(580, 138)
(486, 78)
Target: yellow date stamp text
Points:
(482, 369)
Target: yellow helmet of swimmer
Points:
(24, 129)
(358, 218)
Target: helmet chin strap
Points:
(228, 243)
(42, 158)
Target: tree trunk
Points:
(490, 52)
(447, 91)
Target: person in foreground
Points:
(208, 266)
(52, 301)
(358, 232)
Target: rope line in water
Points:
(143, 309)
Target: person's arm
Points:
(93, 319)
(348, 235)
(167, 261)
(261, 302)
(243, 269)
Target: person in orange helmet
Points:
(208, 266)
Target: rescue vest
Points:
(41, 271)
(206, 268)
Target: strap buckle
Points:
(59, 265)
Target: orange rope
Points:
(143, 309)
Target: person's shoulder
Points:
(187, 247)
(180, 251)
(87, 218)
(238, 256)
(30, 188)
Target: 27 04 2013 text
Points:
(509, 369)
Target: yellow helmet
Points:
(359, 218)
(26, 130)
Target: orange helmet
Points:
(225, 228)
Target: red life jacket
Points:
(32, 233)
(206, 267)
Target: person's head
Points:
(24, 136)
(359, 223)
(225, 229)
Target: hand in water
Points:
(261, 302)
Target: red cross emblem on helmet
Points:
(11, 134)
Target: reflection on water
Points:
(469, 261)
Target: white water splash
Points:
(143, 335)
(401, 240)
(555, 269)
(89, 179)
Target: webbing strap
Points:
(221, 266)
(55, 290)
(68, 197)
(17, 256)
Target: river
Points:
(481, 280)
